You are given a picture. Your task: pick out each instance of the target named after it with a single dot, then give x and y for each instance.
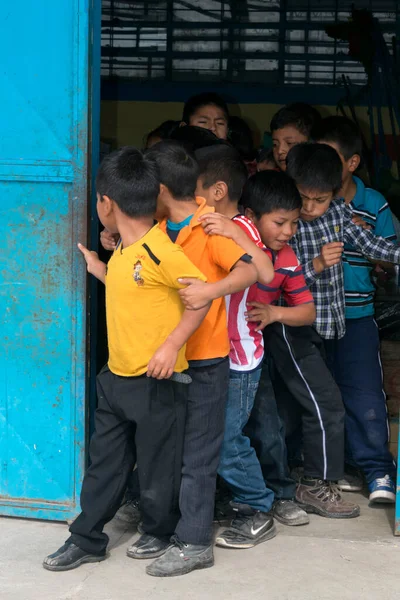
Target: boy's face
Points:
(106, 213)
(283, 140)
(349, 166)
(213, 118)
(315, 203)
(276, 228)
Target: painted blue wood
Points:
(44, 124)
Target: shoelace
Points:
(177, 542)
(383, 481)
(327, 491)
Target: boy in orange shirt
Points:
(228, 269)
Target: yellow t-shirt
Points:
(142, 301)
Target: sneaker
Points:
(70, 557)
(350, 483)
(290, 513)
(324, 498)
(382, 490)
(148, 546)
(181, 559)
(249, 528)
(129, 513)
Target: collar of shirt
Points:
(184, 233)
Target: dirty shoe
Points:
(324, 498)
(290, 513)
(70, 557)
(129, 513)
(181, 559)
(249, 528)
(148, 546)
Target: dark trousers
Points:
(204, 430)
(138, 419)
(355, 363)
(266, 431)
(297, 353)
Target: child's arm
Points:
(331, 254)
(95, 266)
(197, 294)
(367, 243)
(294, 316)
(216, 224)
(162, 363)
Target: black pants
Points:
(266, 431)
(204, 431)
(296, 353)
(138, 419)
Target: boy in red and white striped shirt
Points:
(221, 181)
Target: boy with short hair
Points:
(228, 269)
(292, 125)
(357, 365)
(138, 404)
(325, 226)
(298, 360)
(222, 178)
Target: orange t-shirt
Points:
(214, 256)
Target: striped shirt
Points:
(335, 225)
(372, 207)
(246, 344)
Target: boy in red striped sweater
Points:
(222, 178)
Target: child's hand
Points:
(331, 254)
(264, 314)
(109, 240)
(357, 220)
(94, 265)
(163, 361)
(196, 295)
(216, 224)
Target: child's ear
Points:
(354, 163)
(220, 190)
(108, 205)
(249, 214)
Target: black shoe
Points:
(69, 557)
(129, 513)
(148, 546)
(249, 528)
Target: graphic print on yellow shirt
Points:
(142, 301)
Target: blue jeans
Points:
(356, 366)
(239, 465)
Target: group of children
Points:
(240, 333)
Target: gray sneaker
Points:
(350, 483)
(290, 513)
(181, 559)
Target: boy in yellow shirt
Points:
(141, 411)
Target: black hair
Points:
(299, 115)
(341, 131)
(196, 102)
(131, 180)
(241, 138)
(193, 138)
(266, 155)
(268, 191)
(222, 163)
(316, 167)
(177, 168)
(163, 131)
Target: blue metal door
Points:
(46, 55)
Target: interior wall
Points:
(128, 122)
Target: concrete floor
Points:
(326, 560)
